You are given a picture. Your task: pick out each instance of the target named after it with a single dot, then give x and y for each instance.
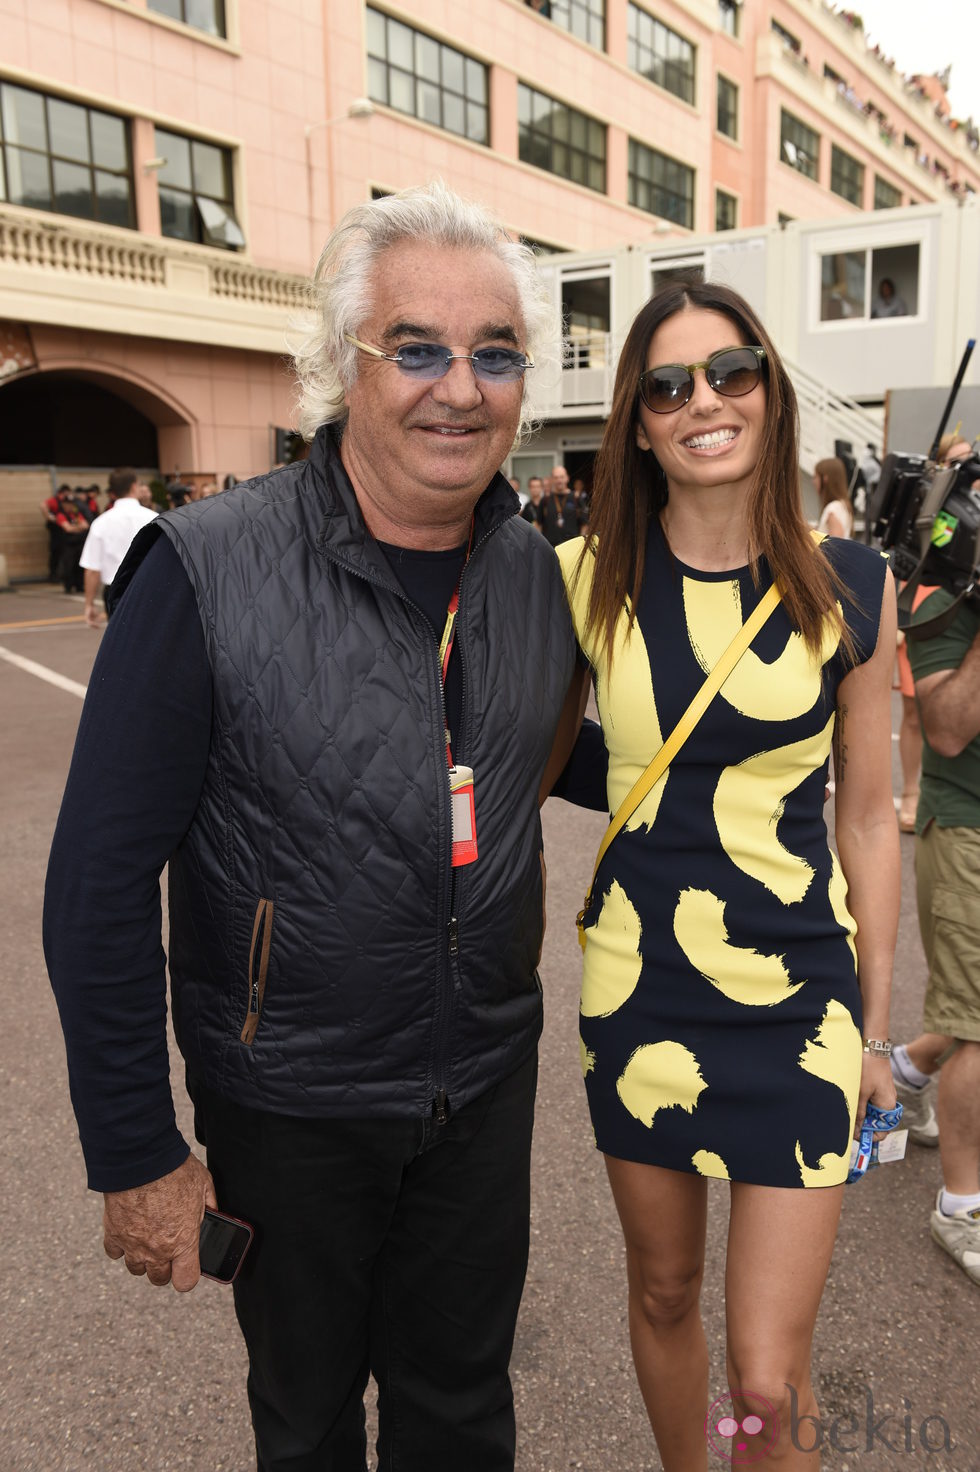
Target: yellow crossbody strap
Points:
(680, 733)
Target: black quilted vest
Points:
(315, 968)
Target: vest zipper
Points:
(441, 1105)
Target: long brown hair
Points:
(833, 481)
(630, 486)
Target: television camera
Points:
(926, 516)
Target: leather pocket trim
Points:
(259, 951)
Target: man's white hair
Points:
(341, 293)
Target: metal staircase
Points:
(826, 416)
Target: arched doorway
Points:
(62, 420)
(73, 422)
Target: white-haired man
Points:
(340, 692)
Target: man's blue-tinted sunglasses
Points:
(431, 360)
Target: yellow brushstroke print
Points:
(831, 1169)
(740, 973)
(838, 903)
(612, 956)
(781, 691)
(660, 1076)
(628, 710)
(707, 1163)
(749, 802)
(834, 1056)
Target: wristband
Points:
(881, 1046)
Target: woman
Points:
(723, 995)
(830, 484)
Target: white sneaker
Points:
(919, 1112)
(959, 1234)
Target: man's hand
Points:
(156, 1227)
(93, 617)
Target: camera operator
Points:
(946, 670)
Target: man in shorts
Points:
(946, 669)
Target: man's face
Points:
(535, 489)
(422, 447)
(559, 480)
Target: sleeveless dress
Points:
(720, 1014)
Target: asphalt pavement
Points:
(102, 1371)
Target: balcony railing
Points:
(54, 268)
(48, 244)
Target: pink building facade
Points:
(169, 170)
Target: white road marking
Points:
(43, 673)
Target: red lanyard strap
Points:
(449, 631)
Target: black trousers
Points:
(395, 1247)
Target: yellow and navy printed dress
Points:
(720, 1014)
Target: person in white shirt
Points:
(110, 535)
(830, 484)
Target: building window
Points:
(413, 73)
(203, 15)
(791, 42)
(561, 140)
(586, 313)
(676, 268)
(846, 176)
(727, 112)
(64, 157)
(799, 146)
(850, 283)
(661, 185)
(196, 196)
(583, 18)
(887, 197)
(657, 52)
(726, 210)
(729, 19)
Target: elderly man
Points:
(350, 728)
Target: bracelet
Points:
(883, 1047)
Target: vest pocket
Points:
(258, 967)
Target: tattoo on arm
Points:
(840, 745)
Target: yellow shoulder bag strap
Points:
(679, 735)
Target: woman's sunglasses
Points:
(732, 372)
(430, 360)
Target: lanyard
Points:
(449, 635)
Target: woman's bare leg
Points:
(663, 1215)
(780, 1243)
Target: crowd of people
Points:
(68, 514)
(555, 506)
(357, 883)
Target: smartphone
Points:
(223, 1245)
